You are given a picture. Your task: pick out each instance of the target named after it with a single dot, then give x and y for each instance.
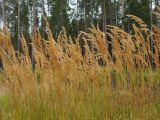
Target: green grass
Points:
(139, 99)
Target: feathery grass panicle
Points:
(109, 72)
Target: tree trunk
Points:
(62, 13)
(110, 12)
(85, 14)
(33, 19)
(43, 14)
(3, 11)
(152, 45)
(157, 21)
(123, 10)
(33, 32)
(19, 24)
(91, 11)
(116, 13)
(103, 5)
(1, 14)
(157, 2)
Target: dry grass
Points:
(103, 83)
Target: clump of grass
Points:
(82, 80)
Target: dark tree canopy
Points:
(75, 15)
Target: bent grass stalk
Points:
(102, 83)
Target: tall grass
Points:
(112, 75)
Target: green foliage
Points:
(59, 16)
(13, 19)
(139, 9)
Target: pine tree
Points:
(140, 9)
(59, 16)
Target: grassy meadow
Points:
(116, 78)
